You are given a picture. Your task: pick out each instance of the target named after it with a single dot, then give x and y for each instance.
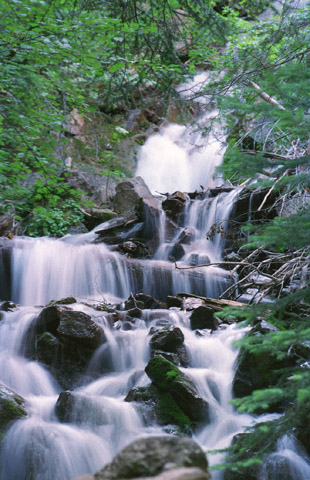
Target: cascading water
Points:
(100, 423)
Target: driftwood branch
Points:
(238, 264)
(270, 190)
(216, 305)
(265, 95)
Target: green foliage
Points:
(87, 55)
(54, 221)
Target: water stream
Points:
(40, 447)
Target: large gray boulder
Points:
(192, 473)
(64, 340)
(132, 196)
(80, 328)
(152, 456)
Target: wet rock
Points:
(174, 204)
(135, 313)
(6, 225)
(168, 339)
(187, 235)
(80, 328)
(152, 456)
(116, 223)
(129, 196)
(12, 407)
(64, 340)
(7, 306)
(49, 319)
(171, 229)
(180, 474)
(174, 302)
(62, 301)
(178, 251)
(203, 317)
(179, 358)
(169, 379)
(47, 348)
(64, 406)
(198, 259)
(144, 301)
(74, 407)
(96, 216)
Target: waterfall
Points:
(40, 446)
(184, 157)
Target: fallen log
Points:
(217, 305)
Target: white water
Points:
(184, 157)
(39, 447)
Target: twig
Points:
(265, 95)
(270, 190)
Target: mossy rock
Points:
(147, 457)
(169, 379)
(160, 407)
(62, 301)
(12, 407)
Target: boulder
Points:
(203, 317)
(96, 216)
(7, 306)
(130, 194)
(97, 188)
(147, 457)
(168, 338)
(49, 319)
(179, 358)
(62, 301)
(160, 408)
(12, 407)
(178, 251)
(174, 302)
(64, 406)
(169, 379)
(144, 301)
(47, 348)
(174, 204)
(181, 474)
(80, 328)
(198, 259)
(6, 225)
(116, 224)
(64, 340)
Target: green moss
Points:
(10, 410)
(162, 372)
(169, 412)
(62, 301)
(143, 394)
